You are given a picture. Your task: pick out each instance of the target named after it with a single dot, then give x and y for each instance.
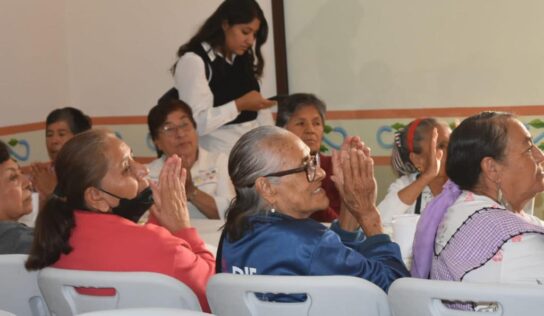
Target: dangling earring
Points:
(500, 198)
(272, 210)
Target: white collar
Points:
(212, 53)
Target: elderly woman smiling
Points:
(208, 187)
(303, 114)
(15, 201)
(278, 187)
(482, 233)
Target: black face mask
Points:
(135, 208)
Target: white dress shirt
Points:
(391, 205)
(192, 85)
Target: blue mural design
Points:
(381, 134)
(386, 132)
(20, 150)
(332, 144)
(537, 139)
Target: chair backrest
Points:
(154, 311)
(132, 290)
(419, 297)
(19, 292)
(234, 295)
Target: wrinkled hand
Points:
(337, 175)
(44, 178)
(253, 101)
(170, 207)
(360, 189)
(432, 167)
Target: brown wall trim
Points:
(125, 120)
(436, 112)
(527, 110)
(23, 128)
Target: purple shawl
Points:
(427, 226)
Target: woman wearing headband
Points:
(419, 156)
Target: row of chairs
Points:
(139, 293)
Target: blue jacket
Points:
(281, 245)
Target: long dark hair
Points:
(479, 136)
(234, 12)
(81, 163)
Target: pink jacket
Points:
(107, 242)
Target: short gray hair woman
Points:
(291, 104)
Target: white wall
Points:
(121, 51)
(33, 59)
(107, 57)
(364, 54)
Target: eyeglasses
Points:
(172, 130)
(310, 167)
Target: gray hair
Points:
(250, 159)
(294, 102)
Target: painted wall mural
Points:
(377, 133)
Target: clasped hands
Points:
(170, 208)
(353, 174)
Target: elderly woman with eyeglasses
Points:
(173, 131)
(278, 186)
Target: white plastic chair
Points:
(132, 290)
(234, 295)
(19, 292)
(419, 297)
(151, 311)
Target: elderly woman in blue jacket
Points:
(278, 186)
